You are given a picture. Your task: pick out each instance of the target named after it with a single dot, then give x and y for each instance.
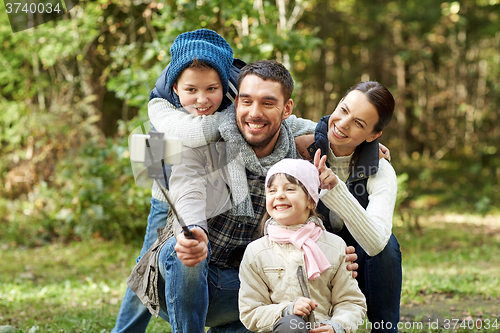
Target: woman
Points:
(360, 206)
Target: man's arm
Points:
(188, 188)
(188, 193)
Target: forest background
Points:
(73, 89)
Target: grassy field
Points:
(451, 272)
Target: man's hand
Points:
(302, 143)
(327, 179)
(303, 306)
(383, 152)
(351, 257)
(192, 251)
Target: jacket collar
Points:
(368, 156)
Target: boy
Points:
(195, 84)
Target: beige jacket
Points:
(269, 283)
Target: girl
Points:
(297, 268)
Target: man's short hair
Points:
(270, 70)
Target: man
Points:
(193, 283)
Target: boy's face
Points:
(200, 90)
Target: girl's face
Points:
(200, 90)
(352, 123)
(287, 202)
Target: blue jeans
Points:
(134, 316)
(195, 297)
(380, 278)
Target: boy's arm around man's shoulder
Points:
(300, 126)
(194, 131)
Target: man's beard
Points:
(263, 143)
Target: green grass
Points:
(451, 270)
(66, 288)
(451, 259)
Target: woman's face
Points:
(352, 123)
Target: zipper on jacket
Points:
(279, 271)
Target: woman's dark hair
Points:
(380, 97)
(292, 180)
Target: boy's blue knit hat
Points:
(204, 45)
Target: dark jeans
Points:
(290, 324)
(194, 297)
(380, 278)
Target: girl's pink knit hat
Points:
(302, 170)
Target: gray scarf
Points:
(240, 156)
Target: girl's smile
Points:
(286, 202)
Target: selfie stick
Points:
(155, 171)
(187, 232)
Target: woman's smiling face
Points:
(352, 123)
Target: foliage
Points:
(65, 85)
(91, 195)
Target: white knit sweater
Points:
(372, 227)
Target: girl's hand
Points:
(303, 306)
(322, 329)
(327, 179)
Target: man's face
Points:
(260, 109)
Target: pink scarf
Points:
(305, 239)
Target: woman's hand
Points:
(303, 306)
(327, 179)
(302, 143)
(383, 152)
